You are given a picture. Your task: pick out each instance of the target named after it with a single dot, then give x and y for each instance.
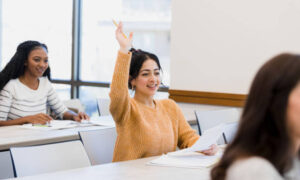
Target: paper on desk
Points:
(188, 160)
(60, 124)
(104, 122)
(208, 138)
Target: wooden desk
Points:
(136, 169)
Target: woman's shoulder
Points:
(44, 79)
(252, 168)
(45, 82)
(11, 84)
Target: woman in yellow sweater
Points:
(145, 127)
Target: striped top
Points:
(17, 100)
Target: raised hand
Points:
(124, 42)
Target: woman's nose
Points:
(152, 77)
(43, 64)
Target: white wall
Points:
(188, 110)
(218, 45)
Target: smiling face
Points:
(148, 80)
(37, 62)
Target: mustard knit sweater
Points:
(144, 131)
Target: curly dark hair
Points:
(263, 130)
(16, 66)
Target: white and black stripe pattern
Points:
(17, 100)
(55, 103)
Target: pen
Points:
(116, 24)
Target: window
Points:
(81, 40)
(49, 22)
(149, 20)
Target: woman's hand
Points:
(40, 118)
(124, 42)
(211, 151)
(80, 116)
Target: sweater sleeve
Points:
(54, 101)
(186, 135)
(5, 103)
(119, 96)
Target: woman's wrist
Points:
(124, 50)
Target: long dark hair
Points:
(16, 66)
(137, 60)
(263, 128)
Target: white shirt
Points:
(259, 169)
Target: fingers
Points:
(124, 42)
(120, 27)
(40, 118)
(211, 151)
(84, 116)
(130, 36)
(80, 116)
(77, 119)
(119, 30)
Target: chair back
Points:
(47, 158)
(99, 144)
(103, 106)
(230, 131)
(74, 105)
(211, 118)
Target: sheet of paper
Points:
(103, 123)
(60, 124)
(208, 138)
(186, 160)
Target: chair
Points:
(74, 105)
(230, 131)
(99, 144)
(6, 167)
(209, 119)
(33, 160)
(103, 106)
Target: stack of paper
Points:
(208, 138)
(188, 160)
(189, 157)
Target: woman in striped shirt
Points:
(25, 89)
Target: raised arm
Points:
(119, 96)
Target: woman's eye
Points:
(144, 74)
(36, 60)
(157, 73)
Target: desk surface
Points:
(136, 169)
(19, 136)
